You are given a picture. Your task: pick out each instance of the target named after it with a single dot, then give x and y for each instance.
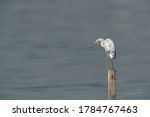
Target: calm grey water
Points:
(45, 54)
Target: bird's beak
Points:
(93, 45)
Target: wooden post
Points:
(111, 84)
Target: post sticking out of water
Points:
(111, 84)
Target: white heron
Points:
(109, 47)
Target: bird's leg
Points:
(107, 62)
(112, 65)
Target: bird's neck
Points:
(103, 44)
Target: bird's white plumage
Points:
(109, 47)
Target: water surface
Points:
(45, 54)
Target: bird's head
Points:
(98, 41)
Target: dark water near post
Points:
(45, 54)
